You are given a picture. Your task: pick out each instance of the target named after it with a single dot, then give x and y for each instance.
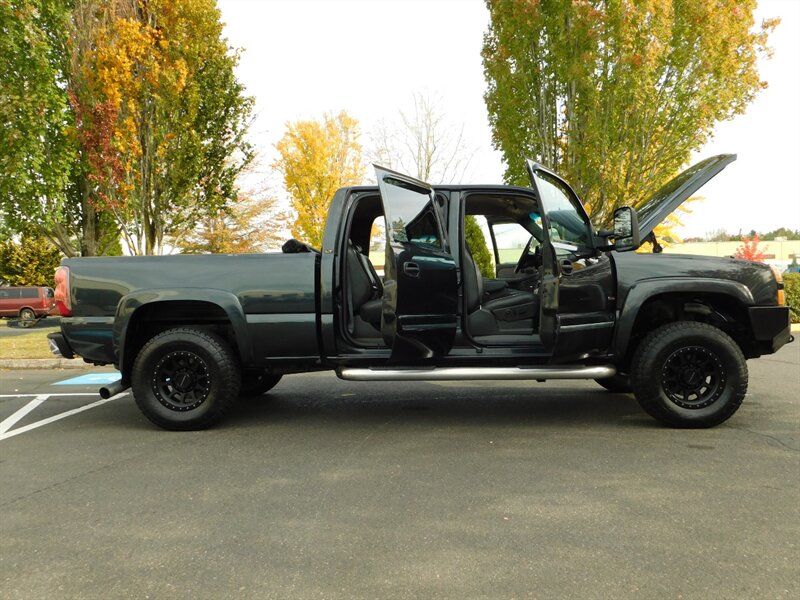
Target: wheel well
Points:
(720, 310)
(151, 319)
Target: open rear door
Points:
(420, 289)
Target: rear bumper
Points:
(59, 345)
(771, 327)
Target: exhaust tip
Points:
(112, 389)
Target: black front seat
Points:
(484, 315)
(366, 288)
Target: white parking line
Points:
(8, 434)
(48, 395)
(8, 423)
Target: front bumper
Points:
(59, 345)
(771, 327)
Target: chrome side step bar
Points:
(476, 373)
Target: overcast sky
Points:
(304, 58)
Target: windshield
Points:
(566, 223)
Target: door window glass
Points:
(566, 223)
(410, 214)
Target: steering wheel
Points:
(525, 258)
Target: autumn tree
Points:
(160, 116)
(615, 96)
(749, 250)
(316, 158)
(253, 223)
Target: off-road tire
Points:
(185, 379)
(257, 384)
(618, 384)
(684, 356)
(27, 317)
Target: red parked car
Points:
(27, 303)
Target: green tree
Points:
(615, 95)
(476, 242)
(316, 158)
(30, 262)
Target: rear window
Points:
(49, 293)
(29, 293)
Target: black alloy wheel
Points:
(185, 379)
(693, 377)
(181, 380)
(689, 374)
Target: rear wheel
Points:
(27, 317)
(185, 379)
(689, 374)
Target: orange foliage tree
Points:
(316, 158)
(749, 249)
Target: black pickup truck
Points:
(190, 334)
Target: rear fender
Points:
(130, 304)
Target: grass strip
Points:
(28, 345)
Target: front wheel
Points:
(185, 379)
(689, 374)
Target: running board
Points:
(476, 373)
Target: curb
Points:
(43, 363)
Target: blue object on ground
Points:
(91, 379)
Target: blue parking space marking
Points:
(90, 379)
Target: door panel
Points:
(420, 292)
(577, 310)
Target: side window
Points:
(29, 293)
(5, 294)
(511, 240)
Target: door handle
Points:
(411, 269)
(566, 266)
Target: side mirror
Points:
(626, 229)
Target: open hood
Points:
(670, 196)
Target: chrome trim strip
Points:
(476, 373)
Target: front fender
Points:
(644, 290)
(131, 303)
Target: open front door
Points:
(420, 289)
(576, 315)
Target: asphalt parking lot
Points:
(329, 489)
